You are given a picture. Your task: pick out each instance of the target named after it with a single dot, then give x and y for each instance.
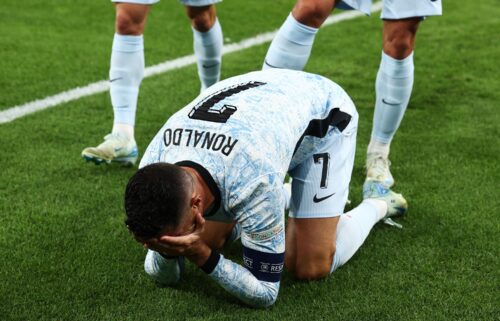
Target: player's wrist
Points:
(201, 255)
(211, 262)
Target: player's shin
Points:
(291, 47)
(393, 89)
(208, 51)
(353, 228)
(125, 76)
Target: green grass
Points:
(66, 254)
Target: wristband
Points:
(211, 263)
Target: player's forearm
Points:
(240, 282)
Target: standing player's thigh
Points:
(320, 188)
(402, 9)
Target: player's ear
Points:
(196, 202)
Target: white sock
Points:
(124, 130)
(375, 147)
(353, 228)
(208, 51)
(125, 76)
(393, 90)
(291, 47)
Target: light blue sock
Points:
(393, 89)
(291, 47)
(125, 76)
(352, 230)
(208, 51)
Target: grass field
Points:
(66, 255)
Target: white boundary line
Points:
(19, 111)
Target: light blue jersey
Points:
(243, 135)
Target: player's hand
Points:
(190, 245)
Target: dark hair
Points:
(155, 197)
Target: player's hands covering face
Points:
(190, 245)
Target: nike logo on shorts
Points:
(320, 199)
(114, 79)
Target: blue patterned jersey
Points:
(244, 134)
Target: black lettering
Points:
(177, 136)
(197, 137)
(219, 140)
(226, 150)
(189, 132)
(167, 136)
(207, 142)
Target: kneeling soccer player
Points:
(224, 157)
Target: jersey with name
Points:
(247, 132)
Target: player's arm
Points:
(260, 211)
(257, 281)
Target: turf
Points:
(66, 254)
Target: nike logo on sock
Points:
(114, 79)
(317, 200)
(389, 103)
(122, 106)
(210, 66)
(268, 64)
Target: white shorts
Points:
(320, 183)
(192, 3)
(397, 9)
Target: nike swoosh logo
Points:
(388, 103)
(118, 149)
(210, 66)
(317, 200)
(268, 64)
(114, 79)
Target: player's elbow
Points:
(264, 298)
(264, 301)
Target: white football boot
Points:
(377, 169)
(115, 148)
(164, 271)
(396, 204)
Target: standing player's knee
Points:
(202, 18)
(398, 47)
(128, 24)
(312, 13)
(399, 39)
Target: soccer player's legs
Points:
(292, 45)
(207, 40)
(125, 76)
(394, 79)
(320, 188)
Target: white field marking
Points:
(19, 111)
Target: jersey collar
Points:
(207, 177)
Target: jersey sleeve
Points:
(259, 209)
